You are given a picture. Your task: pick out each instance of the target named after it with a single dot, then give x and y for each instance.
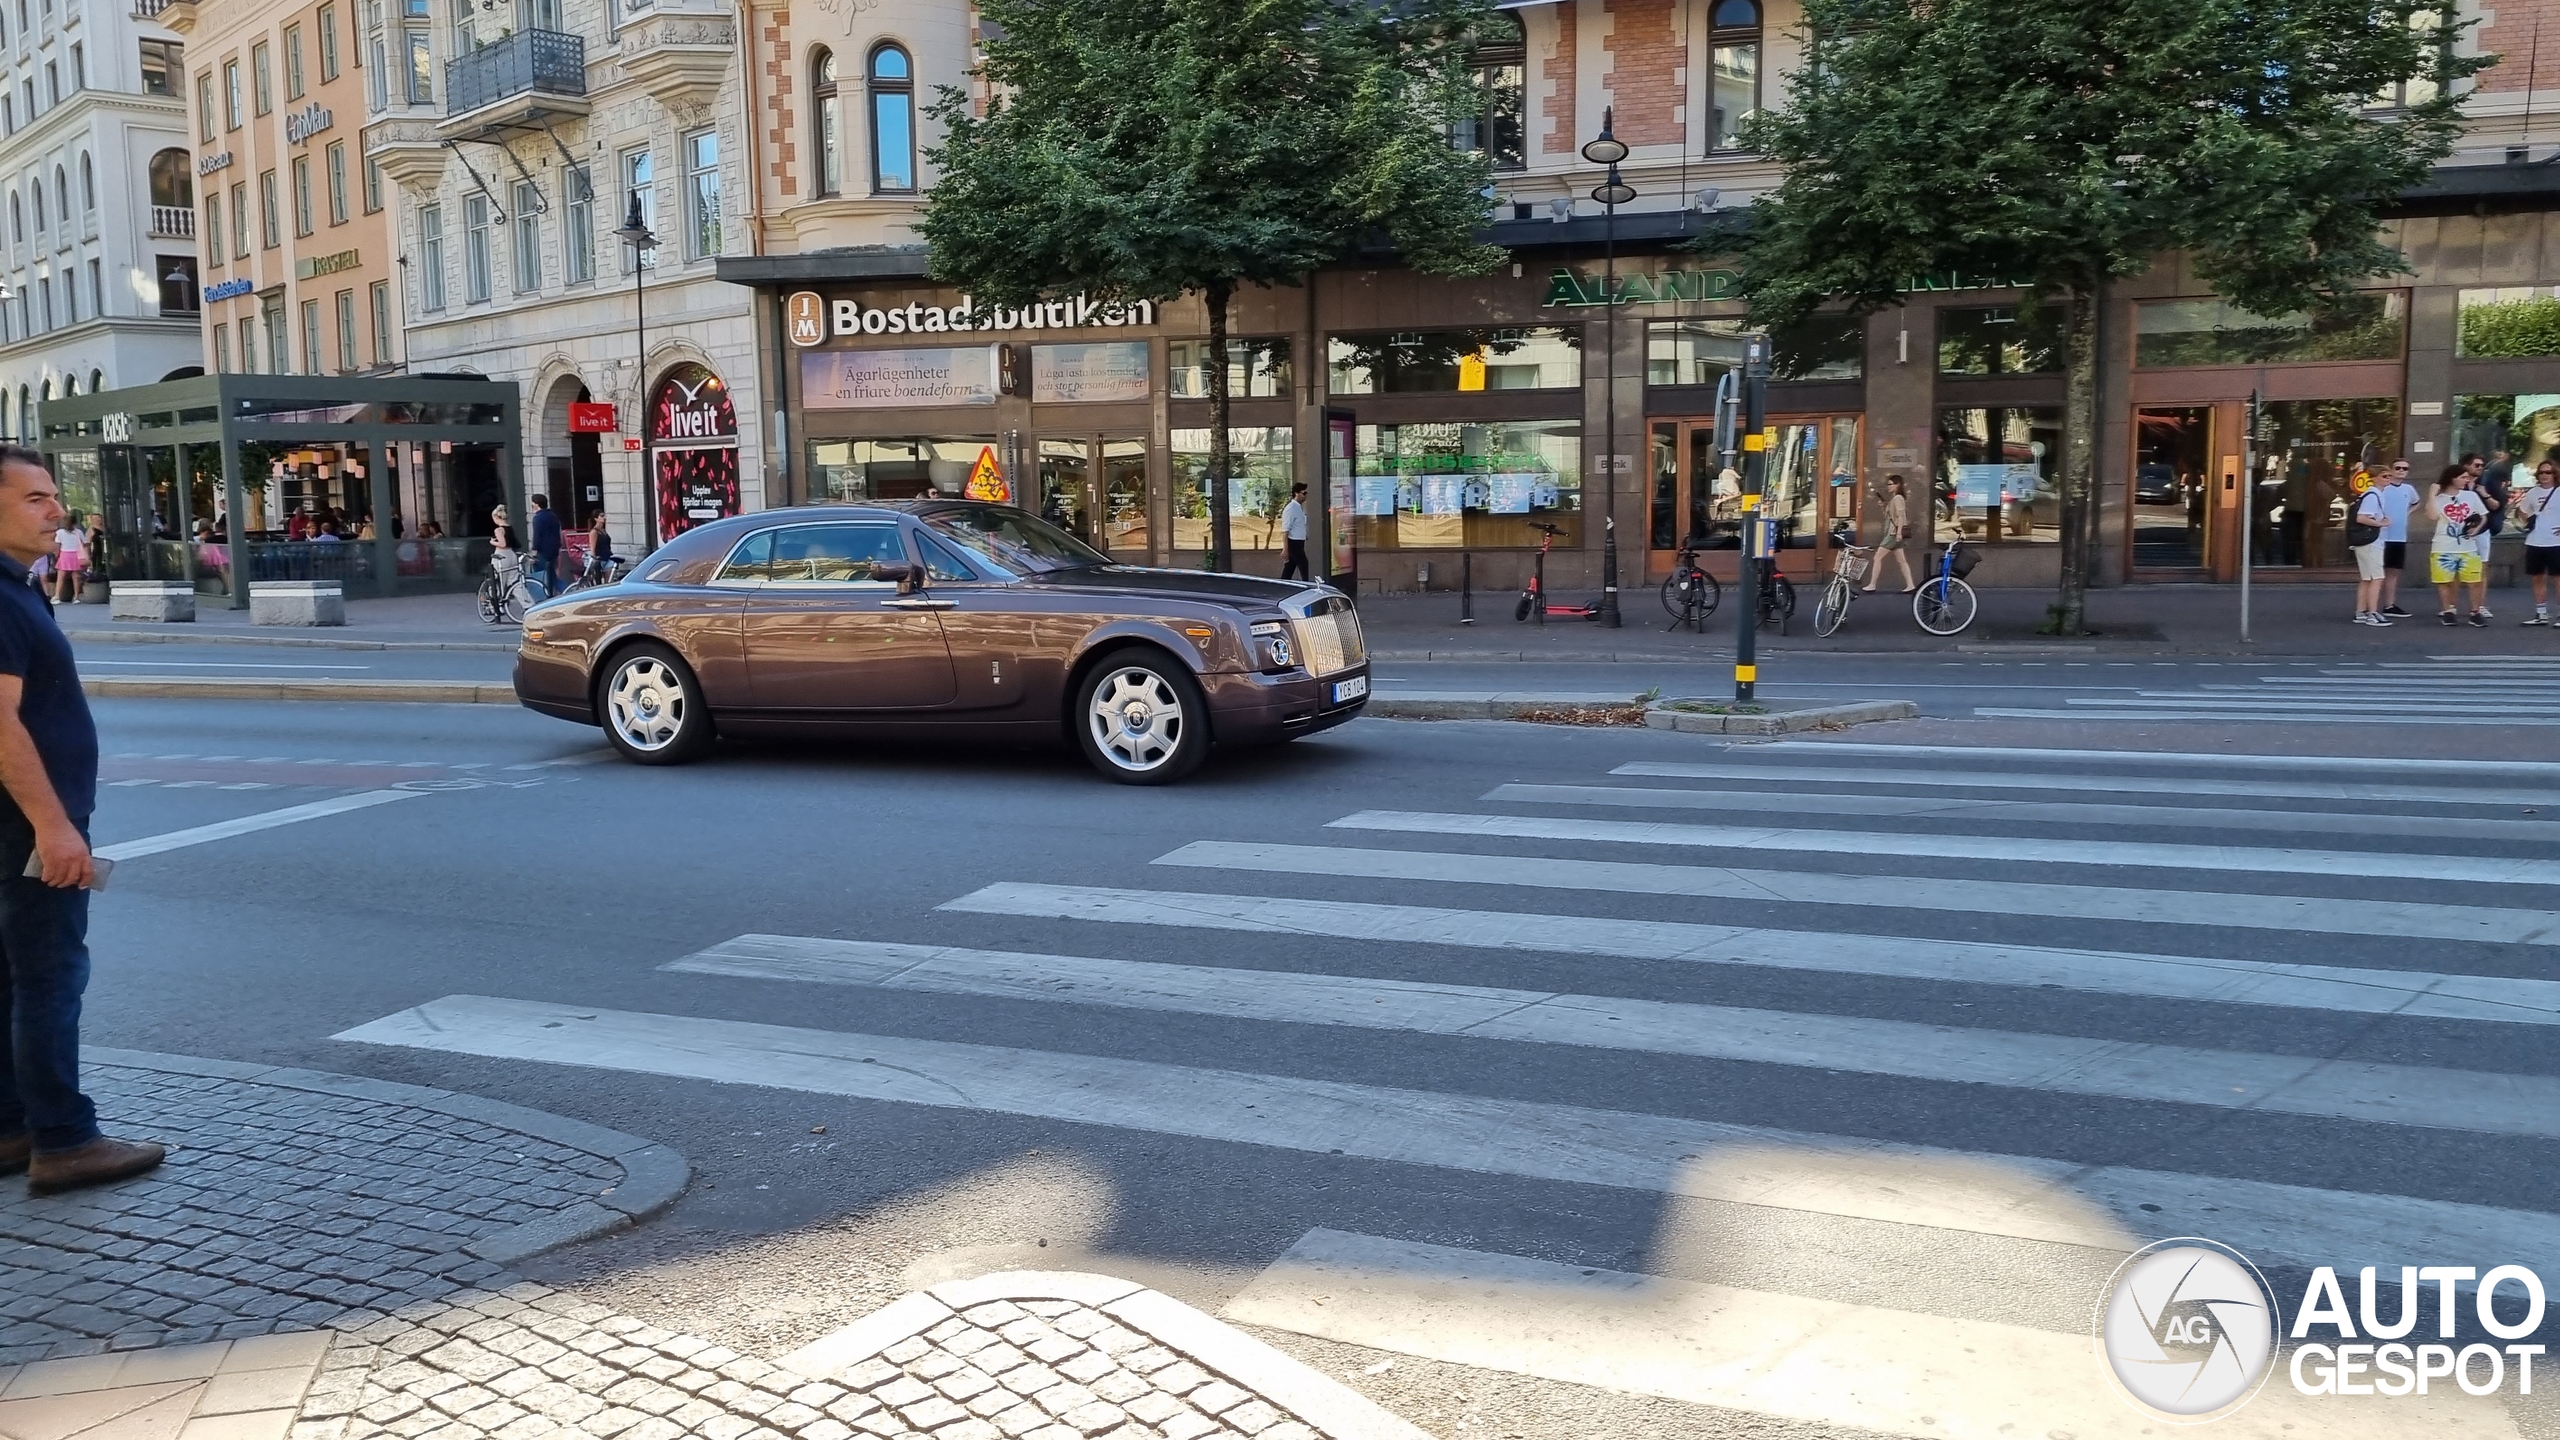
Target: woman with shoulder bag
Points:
(2364, 541)
(1897, 532)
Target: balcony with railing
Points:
(150, 9)
(520, 79)
(172, 222)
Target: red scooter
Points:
(1533, 600)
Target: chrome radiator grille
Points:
(1329, 640)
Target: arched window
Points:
(48, 388)
(170, 183)
(62, 195)
(35, 191)
(830, 122)
(17, 220)
(71, 387)
(1735, 93)
(1501, 64)
(97, 382)
(89, 186)
(26, 412)
(893, 120)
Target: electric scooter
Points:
(1534, 601)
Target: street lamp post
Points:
(1607, 149)
(635, 232)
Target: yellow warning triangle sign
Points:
(986, 479)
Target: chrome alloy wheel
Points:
(1137, 719)
(647, 702)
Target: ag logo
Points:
(2187, 1329)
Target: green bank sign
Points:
(1566, 287)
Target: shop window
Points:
(893, 120)
(1425, 362)
(2214, 332)
(262, 78)
(829, 121)
(1698, 352)
(1261, 466)
(1257, 369)
(903, 467)
(1467, 484)
(1501, 67)
(1993, 490)
(2526, 428)
(2000, 340)
(2508, 323)
(2309, 453)
(1734, 94)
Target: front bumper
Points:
(1267, 709)
(553, 685)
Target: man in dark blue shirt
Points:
(546, 544)
(48, 787)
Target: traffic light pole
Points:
(1755, 463)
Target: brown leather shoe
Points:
(14, 1150)
(95, 1163)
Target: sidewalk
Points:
(436, 622)
(324, 1257)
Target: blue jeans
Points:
(548, 567)
(44, 959)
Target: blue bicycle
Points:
(1944, 604)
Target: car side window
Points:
(833, 554)
(751, 561)
(939, 562)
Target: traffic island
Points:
(1774, 717)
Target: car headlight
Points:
(1271, 645)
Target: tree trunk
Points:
(2069, 614)
(1220, 458)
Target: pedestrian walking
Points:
(1897, 533)
(2399, 498)
(2364, 541)
(2461, 514)
(2538, 510)
(48, 787)
(1293, 533)
(70, 557)
(546, 544)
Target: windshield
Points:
(1013, 538)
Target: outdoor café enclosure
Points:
(383, 485)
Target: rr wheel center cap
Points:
(1134, 718)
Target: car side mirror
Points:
(908, 578)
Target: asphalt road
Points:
(503, 928)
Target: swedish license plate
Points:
(1350, 689)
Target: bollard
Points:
(1467, 588)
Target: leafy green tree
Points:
(2064, 143)
(1147, 149)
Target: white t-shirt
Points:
(1293, 521)
(2454, 511)
(69, 542)
(2544, 508)
(2398, 499)
(2373, 509)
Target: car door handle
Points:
(918, 603)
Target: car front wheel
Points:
(652, 707)
(1141, 718)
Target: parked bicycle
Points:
(1777, 594)
(1842, 589)
(1690, 593)
(1533, 597)
(1944, 604)
(598, 570)
(509, 590)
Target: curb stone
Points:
(1777, 719)
(1115, 1323)
(190, 687)
(653, 1175)
(315, 642)
(1502, 708)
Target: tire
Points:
(493, 608)
(1521, 610)
(1943, 606)
(1140, 718)
(1691, 597)
(1834, 608)
(651, 707)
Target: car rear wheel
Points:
(652, 707)
(1141, 718)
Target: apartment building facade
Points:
(1465, 413)
(99, 285)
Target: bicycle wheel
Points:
(1786, 592)
(1943, 606)
(492, 601)
(1677, 596)
(1834, 607)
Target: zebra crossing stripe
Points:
(2179, 785)
(2231, 859)
(1923, 807)
(2306, 715)
(2525, 1105)
(2021, 1197)
(2130, 759)
(1892, 892)
(2171, 977)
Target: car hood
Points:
(1180, 584)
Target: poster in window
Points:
(1510, 494)
(1067, 373)
(1444, 494)
(696, 487)
(1376, 494)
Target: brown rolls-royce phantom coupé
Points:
(940, 617)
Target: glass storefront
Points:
(1468, 484)
(2310, 454)
(2000, 340)
(2526, 427)
(2508, 322)
(896, 468)
(1257, 368)
(1260, 470)
(1991, 491)
(2173, 502)
(1430, 362)
(2170, 333)
(1699, 352)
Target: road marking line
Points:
(2134, 759)
(2178, 785)
(2255, 911)
(2305, 717)
(1835, 1364)
(2028, 811)
(2023, 1197)
(89, 664)
(2171, 977)
(2490, 1104)
(2231, 859)
(250, 824)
